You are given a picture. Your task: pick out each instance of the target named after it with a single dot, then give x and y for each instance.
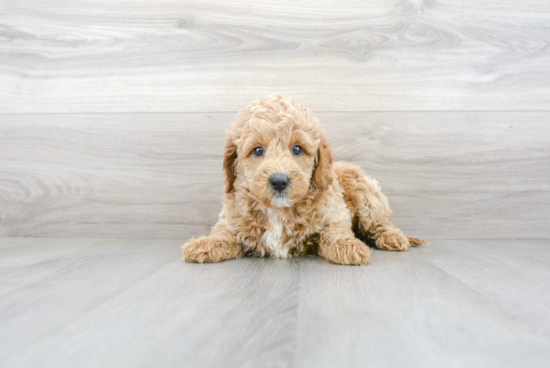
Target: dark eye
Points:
(258, 151)
(297, 150)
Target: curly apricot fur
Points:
(326, 209)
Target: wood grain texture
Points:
(212, 55)
(447, 175)
(472, 303)
(226, 319)
(134, 303)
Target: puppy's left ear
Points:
(322, 175)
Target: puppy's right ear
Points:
(322, 175)
(229, 160)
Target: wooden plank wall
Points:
(112, 113)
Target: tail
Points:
(416, 241)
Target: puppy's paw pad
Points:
(348, 252)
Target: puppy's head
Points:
(277, 152)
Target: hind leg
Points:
(374, 221)
(370, 210)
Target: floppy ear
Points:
(323, 165)
(229, 164)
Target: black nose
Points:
(279, 182)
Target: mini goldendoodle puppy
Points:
(284, 195)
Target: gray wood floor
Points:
(133, 303)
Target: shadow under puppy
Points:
(284, 195)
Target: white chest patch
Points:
(273, 236)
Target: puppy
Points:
(284, 195)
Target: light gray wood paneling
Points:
(134, 303)
(447, 175)
(187, 56)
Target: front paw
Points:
(350, 251)
(209, 250)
